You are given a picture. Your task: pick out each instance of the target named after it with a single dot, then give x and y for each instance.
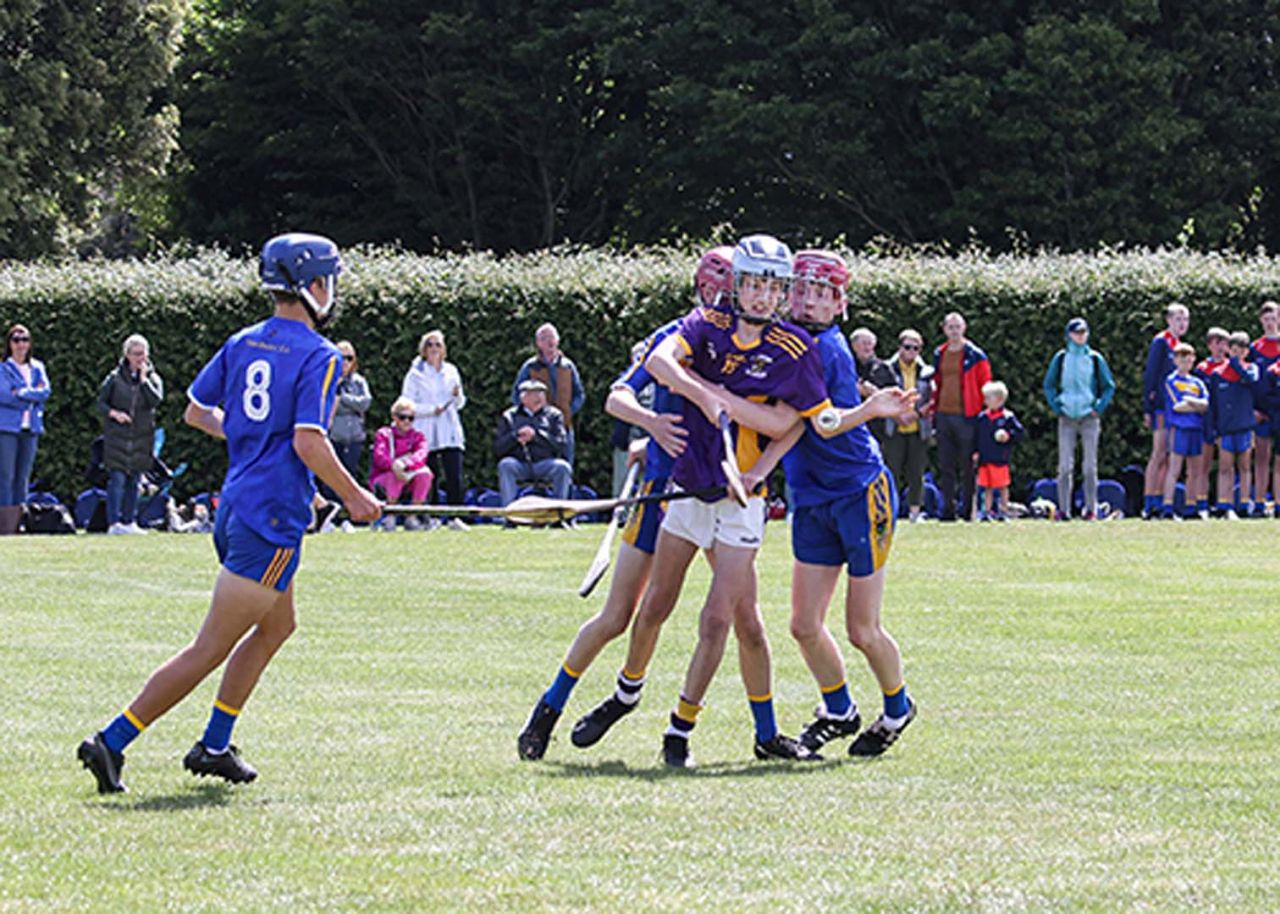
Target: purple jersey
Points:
(783, 364)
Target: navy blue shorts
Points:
(856, 530)
(243, 552)
(1263, 429)
(1236, 442)
(1188, 442)
(646, 519)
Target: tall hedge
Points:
(602, 302)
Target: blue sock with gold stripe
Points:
(217, 735)
(561, 686)
(762, 711)
(896, 703)
(837, 699)
(122, 731)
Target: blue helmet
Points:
(760, 255)
(293, 261)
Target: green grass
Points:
(1098, 733)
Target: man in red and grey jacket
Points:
(960, 370)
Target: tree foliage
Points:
(487, 125)
(86, 122)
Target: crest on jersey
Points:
(758, 365)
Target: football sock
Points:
(217, 735)
(1224, 507)
(837, 701)
(762, 711)
(896, 705)
(560, 688)
(628, 691)
(1150, 503)
(684, 718)
(1166, 510)
(122, 731)
(1202, 505)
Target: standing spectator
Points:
(400, 460)
(1186, 399)
(347, 431)
(435, 387)
(906, 444)
(873, 374)
(127, 401)
(1264, 353)
(1159, 366)
(557, 371)
(1199, 469)
(530, 444)
(24, 386)
(960, 371)
(1233, 386)
(997, 432)
(1079, 387)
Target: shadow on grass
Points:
(201, 797)
(658, 772)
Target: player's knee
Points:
(751, 635)
(714, 626)
(805, 630)
(864, 636)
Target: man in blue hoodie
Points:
(1079, 388)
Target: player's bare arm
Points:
(664, 428)
(771, 456)
(313, 448)
(664, 364)
(889, 402)
(208, 421)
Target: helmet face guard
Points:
(818, 268)
(766, 257)
(291, 263)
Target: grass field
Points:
(1098, 732)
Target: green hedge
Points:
(602, 302)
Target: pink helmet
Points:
(713, 277)
(825, 267)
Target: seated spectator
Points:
(530, 444)
(400, 460)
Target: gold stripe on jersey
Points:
(717, 318)
(814, 410)
(684, 344)
(787, 342)
(328, 377)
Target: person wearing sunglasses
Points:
(906, 444)
(24, 387)
(400, 462)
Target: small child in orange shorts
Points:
(998, 429)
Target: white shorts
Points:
(724, 521)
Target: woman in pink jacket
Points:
(400, 460)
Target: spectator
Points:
(1217, 342)
(873, 374)
(400, 460)
(557, 371)
(1079, 388)
(435, 387)
(1186, 399)
(997, 432)
(1265, 352)
(1159, 366)
(24, 387)
(347, 431)
(960, 369)
(1233, 386)
(127, 401)
(906, 444)
(530, 444)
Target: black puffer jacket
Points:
(127, 445)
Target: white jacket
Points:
(429, 388)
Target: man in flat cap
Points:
(530, 444)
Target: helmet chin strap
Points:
(814, 327)
(752, 319)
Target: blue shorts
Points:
(856, 530)
(1236, 442)
(243, 552)
(1188, 442)
(1263, 429)
(642, 529)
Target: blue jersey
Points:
(820, 470)
(1178, 388)
(657, 462)
(270, 379)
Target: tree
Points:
(87, 120)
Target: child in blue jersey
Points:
(270, 392)
(998, 431)
(713, 281)
(1232, 386)
(1186, 399)
(1159, 365)
(1265, 353)
(845, 505)
(1216, 342)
